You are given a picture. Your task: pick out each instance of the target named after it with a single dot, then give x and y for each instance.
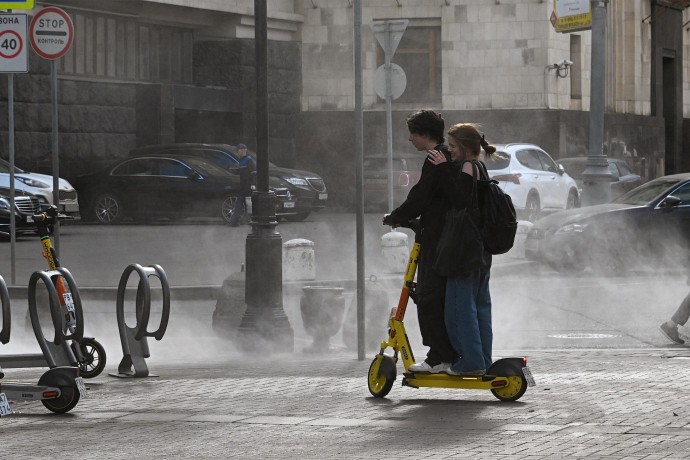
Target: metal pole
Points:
(56, 158)
(359, 173)
(596, 176)
(13, 220)
(389, 113)
(264, 325)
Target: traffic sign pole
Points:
(51, 32)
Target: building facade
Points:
(151, 71)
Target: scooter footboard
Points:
(507, 366)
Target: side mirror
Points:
(670, 202)
(561, 169)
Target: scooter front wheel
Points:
(517, 385)
(94, 358)
(381, 375)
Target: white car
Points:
(535, 182)
(41, 185)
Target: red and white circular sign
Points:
(11, 44)
(51, 33)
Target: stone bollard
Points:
(230, 306)
(395, 251)
(298, 260)
(322, 309)
(518, 250)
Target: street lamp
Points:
(264, 324)
(596, 176)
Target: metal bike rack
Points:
(134, 344)
(57, 352)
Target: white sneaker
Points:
(425, 367)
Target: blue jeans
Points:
(468, 320)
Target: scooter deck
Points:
(26, 391)
(480, 382)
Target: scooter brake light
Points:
(50, 394)
(524, 360)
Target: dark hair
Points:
(427, 123)
(469, 136)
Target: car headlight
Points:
(296, 181)
(32, 182)
(572, 228)
(4, 205)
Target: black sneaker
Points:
(671, 333)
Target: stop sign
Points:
(51, 33)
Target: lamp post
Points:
(596, 176)
(264, 324)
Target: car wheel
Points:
(573, 201)
(108, 209)
(227, 208)
(297, 217)
(532, 207)
(568, 262)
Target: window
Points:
(141, 167)
(529, 159)
(576, 68)
(171, 168)
(121, 47)
(499, 160)
(623, 168)
(684, 194)
(419, 54)
(546, 162)
(613, 169)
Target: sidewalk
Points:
(611, 404)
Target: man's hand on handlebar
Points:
(388, 221)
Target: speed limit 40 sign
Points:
(14, 57)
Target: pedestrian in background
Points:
(427, 201)
(246, 168)
(467, 298)
(670, 328)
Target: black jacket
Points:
(427, 201)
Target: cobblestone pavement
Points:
(613, 404)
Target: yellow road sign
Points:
(571, 15)
(17, 5)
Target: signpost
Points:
(389, 33)
(51, 33)
(14, 58)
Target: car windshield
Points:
(645, 194)
(499, 160)
(5, 167)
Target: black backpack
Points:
(499, 220)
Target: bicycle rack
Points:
(134, 344)
(5, 315)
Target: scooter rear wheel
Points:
(381, 377)
(517, 385)
(68, 399)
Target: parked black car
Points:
(649, 225)
(407, 169)
(623, 179)
(174, 186)
(25, 206)
(308, 188)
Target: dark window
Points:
(575, 69)
(499, 160)
(613, 169)
(623, 168)
(142, 167)
(123, 48)
(171, 168)
(684, 194)
(529, 159)
(419, 55)
(546, 162)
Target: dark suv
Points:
(308, 188)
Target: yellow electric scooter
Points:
(507, 378)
